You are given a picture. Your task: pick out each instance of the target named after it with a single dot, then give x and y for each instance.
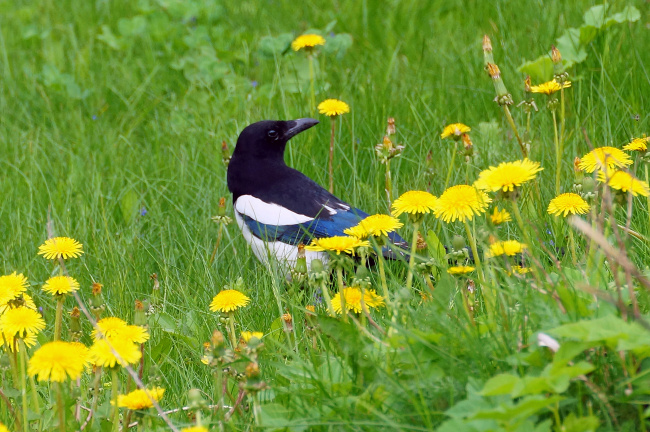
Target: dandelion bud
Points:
(588, 185)
(390, 129)
(140, 317)
(75, 324)
(555, 55)
(362, 277)
(468, 146)
(420, 244)
(97, 305)
(195, 399)
(503, 97)
(288, 321)
(301, 263)
(527, 84)
(217, 340)
(317, 266)
(225, 153)
(252, 370)
(487, 50)
(458, 242)
(487, 43)
(493, 71)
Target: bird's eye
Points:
(273, 134)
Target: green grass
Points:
(109, 107)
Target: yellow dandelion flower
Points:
(353, 300)
(3, 428)
(247, 335)
(58, 361)
(20, 321)
(500, 216)
(59, 285)
(508, 247)
(375, 225)
(108, 327)
(228, 301)
(133, 333)
(140, 399)
(602, 157)
(101, 354)
(311, 308)
(333, 107)
(60, 247)
(307, 41)
(195, 429)
(454, 130)
(11, 286)
(566, 203)
(12, 342)
(550, 87)
(508, 175)
(461, 202)
(338, 244)
(459, 270)
(27, 302)
(414, 202)
(518, 270)
(638, 144)
(624, 182)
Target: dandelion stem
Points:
(511, 122)
(572, 245)
(331, 160)
(93, 409)
(61, 406)
(414, 243)
(59, 317)
(339, 278)
(384, 285)
(231, 329)
(115, 392)
(23, 382)
(520, 222)
(477, 259)
(451, 165)
(562, 118)
(389, 184)
(328, 299)
(648, 197)
(311, 83)
(558, 155)
(217, 243)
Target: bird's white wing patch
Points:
(268, 213)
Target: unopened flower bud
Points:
(390, 129)
(97, 304)
(225, 153)
(195, 399)
(588, 185)
(458, 242)
(140, 317)
(75, 324)
(317, 266)
(527, 84)
(487, 50)
(252, 370)
(493, 70)
(421, 243)
(555, 55)
(217, 340)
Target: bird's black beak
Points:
(297, 126)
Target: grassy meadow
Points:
(112, 119)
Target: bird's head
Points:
(268, 138)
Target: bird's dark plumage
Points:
(276, 206)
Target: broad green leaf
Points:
(573, 423)
(540, 69)
(129, 205)
(595, 16)
(629, 14)
(500, 385)
(569, 46)
(436, 248)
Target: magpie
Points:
(278, 207)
